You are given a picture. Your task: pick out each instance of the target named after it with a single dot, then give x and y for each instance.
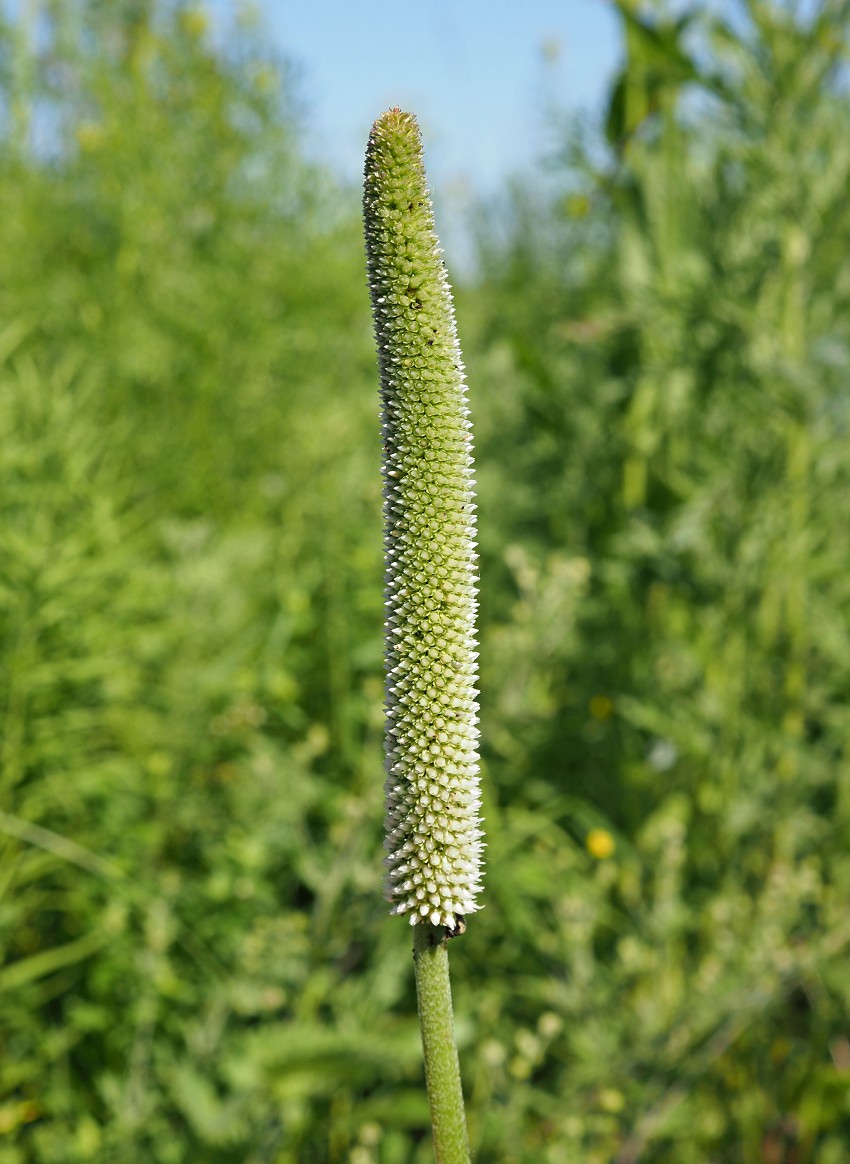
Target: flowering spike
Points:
(433, 839)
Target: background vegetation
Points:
(195, 963)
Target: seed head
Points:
(433, 839)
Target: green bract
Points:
(433, 836)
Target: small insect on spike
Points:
(433, 836)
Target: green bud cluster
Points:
(433, 839)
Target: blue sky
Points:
(480, 75)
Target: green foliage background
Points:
(195, 962)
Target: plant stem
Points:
(442, 1070)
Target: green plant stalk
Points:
(433, 838)
(442, 1068)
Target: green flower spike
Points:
(433, 836)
